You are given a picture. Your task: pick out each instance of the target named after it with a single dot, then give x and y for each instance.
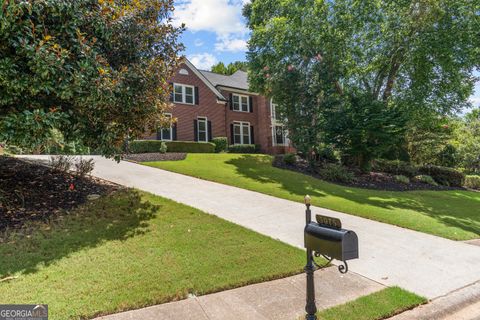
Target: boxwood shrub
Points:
(444, 176)
(395, 167)
(190, 147)
(221, 144)
(147, 146)
(472, 182)
(243, 148)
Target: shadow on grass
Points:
(118, 216)
(459, 209)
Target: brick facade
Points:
(219, 114)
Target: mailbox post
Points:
(325, 238)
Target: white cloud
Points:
(231, 44)
(222, 17)
(475, 101)
(198, 42)
(203, 61)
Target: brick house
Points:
(209, 105)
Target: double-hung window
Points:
(165, 132)
(241, 133)
(241, 103)
(202, 129)
(183, 93)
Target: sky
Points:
(216, 31)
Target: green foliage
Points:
(243, 148)
(336, 173)
(221, 144)
(395, 57)
(364, 129)
(466, 140)
(402, 179)
(395, 167)
(95, 71)
(231, 68)
(190, 147)
(290, 158)
(472, 181)
(427, 140)
(444, 176)
(147, 146)
(423, 178)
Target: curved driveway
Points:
(427, 265)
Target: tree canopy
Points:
(231, 68)
(93, 70)
(414, 57)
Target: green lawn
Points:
(378, 305)
(450, 214)
(122, 252)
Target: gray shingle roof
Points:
(237, 80)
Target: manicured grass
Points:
(378, 305)
(134, 249)
(450, 214)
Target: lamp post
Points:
(310, 307)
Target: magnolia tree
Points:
(356, 74)
(93, 71)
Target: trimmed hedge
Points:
(221, 144)
(444, 176)
(395, 167)
(472, 182)
(147, 146)
(190, 147)
(243, 148)
(423, 178)
(153, 146)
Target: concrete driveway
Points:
(427, 265)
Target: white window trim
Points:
(240, 102)
(171, 129)
(286, 142)
(184, 94)
(206, 129)
(242, 123)
(274, 120)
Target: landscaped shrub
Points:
(243, 148)
(147, 146)
(402, 179)
(472, 182)
(61, 163)
(190, 147)
(221, 144)
(290, 158)
(444, 176)
(395, 167)
(423, 178)
(84, 167)
(335, 173)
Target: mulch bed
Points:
(372, 180)
(33, 192)
(143, 157)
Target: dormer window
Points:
(183, 93)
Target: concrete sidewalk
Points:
(282, 299)
(427, 265)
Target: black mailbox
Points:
(336, 243)
(325, 237)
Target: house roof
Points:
(238, 80)
(205, 80)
